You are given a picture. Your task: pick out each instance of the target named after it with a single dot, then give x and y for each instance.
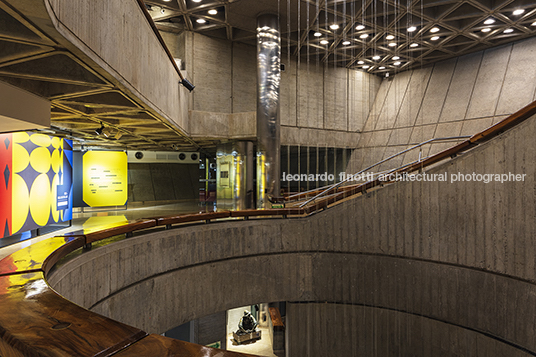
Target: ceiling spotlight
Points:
(212, 12)
(196, 0)
(334, 27)
(167, 0)
(187, 84)
(359, 27)
(392, 44)
(382, 67)
(99, 130)
(412, 28)
(508, 30)
(201, 21)
(414, 45)
(118, 135)
(365, 35)
(435, 38)
(533, 24)
(107, 133)
(366, 67)
(397, 63)
(317, 34)
(376, 58)
(389, 37)
(489, 21)
(486, 29)
(434, 29)
(163, 11)
(360, 62)
(324, 42)
(518, 12)
(395, 58)
(346, 43)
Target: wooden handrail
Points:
(35, 321)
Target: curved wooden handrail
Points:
(36, 321)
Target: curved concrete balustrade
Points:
(458, 254)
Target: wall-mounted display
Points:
(36, 181)
(105, 180)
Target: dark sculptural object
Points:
(247, 323)
(247, 329)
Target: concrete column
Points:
(268, 121)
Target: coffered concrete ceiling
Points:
(378, 36)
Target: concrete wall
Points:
(460, 96)
(127, 49)
(316, 330)
(461, 254)
(162, 182)
(318, 103)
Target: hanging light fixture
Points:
(99, 130)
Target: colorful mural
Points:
(37, 181)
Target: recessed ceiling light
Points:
(365, 35)
(397, 63)
(201, 21)
(360, 62)
(382, 67)
(366, 67)
(196, 0)
(334, 27)
(411, 28)
(167, 0)
(389, 37)
(435, 38)
(212, 12)
(376, 58)
(533, 24)
(508, 30)
(518, 12)
(324, 42)
(487, 29)
(359, 27)
(392, 44)
(489, 21)
(346, 43)
(414, 45)
(434, 29)
(395, 58)
(317, 34)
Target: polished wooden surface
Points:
(185, 218)
(120, 229)
(268, 212)
(156, 345)
(36, 321)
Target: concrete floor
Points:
(262, 347)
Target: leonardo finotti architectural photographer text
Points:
(388, 177)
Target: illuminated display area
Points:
(105, 178)
(36, 185)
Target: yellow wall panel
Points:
(105, 180)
